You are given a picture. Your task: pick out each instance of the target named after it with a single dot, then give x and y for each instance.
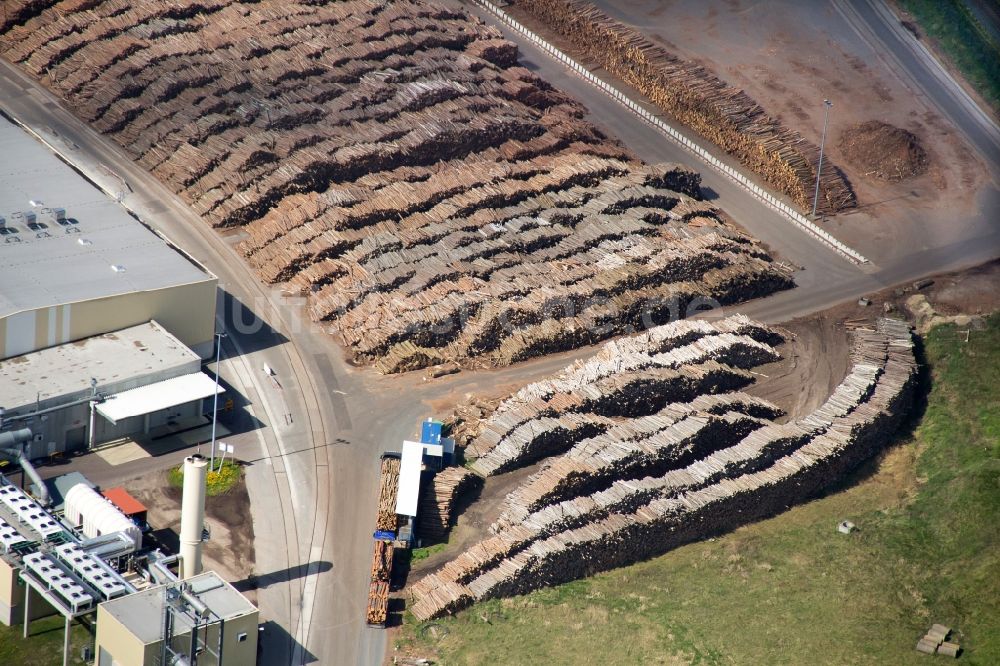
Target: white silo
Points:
(193, 514)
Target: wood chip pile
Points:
(694, 96)
(435, 201)
(619, 498)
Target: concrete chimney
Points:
(193, 514)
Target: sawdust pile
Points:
(883, 151)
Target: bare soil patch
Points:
(230, 550)
(883, 151)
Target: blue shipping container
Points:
(430, 432)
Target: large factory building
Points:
(103, 323)
(74, 263)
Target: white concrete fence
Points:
(763, 195)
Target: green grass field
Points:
(964, 41)
(44, 646)
(792, 590)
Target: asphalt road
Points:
(877, 25)
(313, 482)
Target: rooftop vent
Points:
(57, 215)
(25, 216)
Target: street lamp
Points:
(215, 404)
(826, 119)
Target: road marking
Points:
(306, 605)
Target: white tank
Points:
(86, 508)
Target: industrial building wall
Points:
(235, 651)
(66, 429)
(115, 644)
(187, 311)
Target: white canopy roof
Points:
(408, 493)
(154, 397)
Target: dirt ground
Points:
(789, 56)
(229, 551)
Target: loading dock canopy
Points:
(154, 397)
(408, 492)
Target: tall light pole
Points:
(215, 400)
(826, 119)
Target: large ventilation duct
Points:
(14, 438)
(87, 509)
(193, 514)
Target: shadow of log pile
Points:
(698, 99)
(435, 201)
(658, 479)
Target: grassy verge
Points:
(219, 481)
(961, 38)
(44, 646)
(423, 553)
(792, 590)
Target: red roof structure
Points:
(127, 504)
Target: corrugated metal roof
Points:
(121, 498)
(154, 397)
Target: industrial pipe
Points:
(16, 438)
(157, 567)
(13, 438)
(193, 514)
(48, 410)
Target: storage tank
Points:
(86, 508)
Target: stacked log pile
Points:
(676, 362)
(435, 201)
(386, 519)
(438, 499)
(377, 611)
(576, 531)
(694, 96)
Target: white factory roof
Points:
(109, 358)
(142, 612)
(73, 261)
(160, 395)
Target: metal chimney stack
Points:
(193, 514)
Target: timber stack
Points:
(433, 200)
(377, 611)
(438, 498)
(651, 483)
(698, 99)
(386, 519)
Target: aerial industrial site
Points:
(425, 332)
